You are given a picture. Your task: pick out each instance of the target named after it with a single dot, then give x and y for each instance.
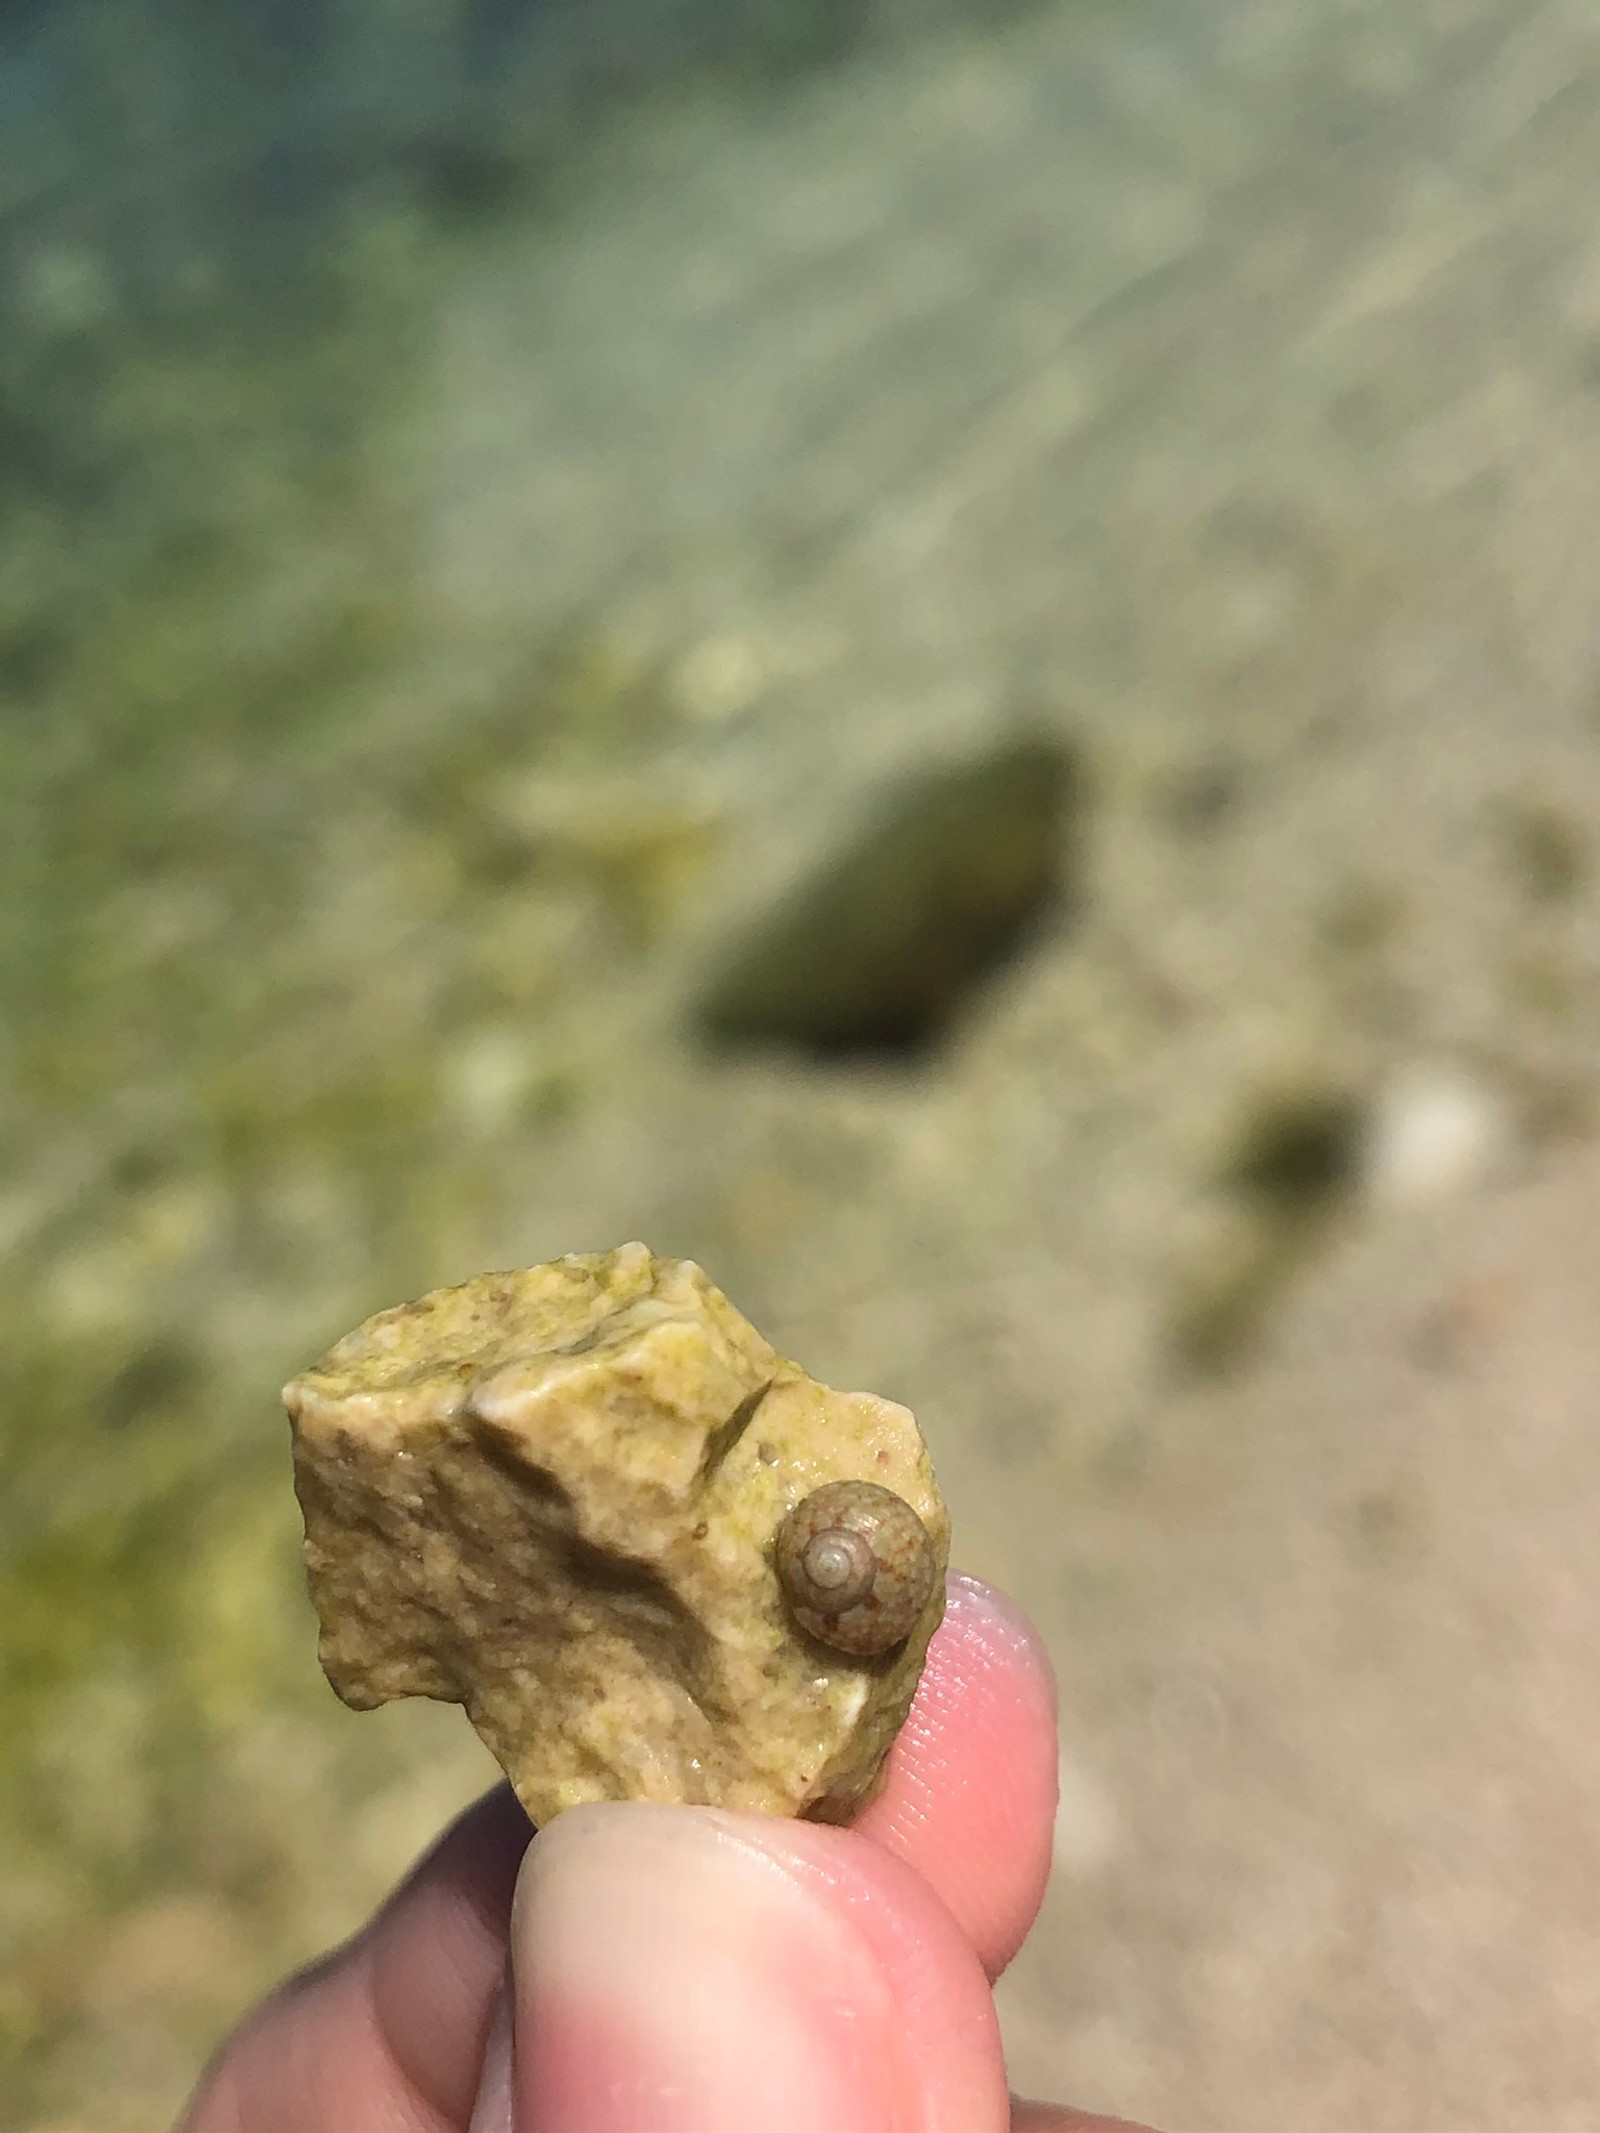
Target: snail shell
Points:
(856, 1566)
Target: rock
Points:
(1434, 1130)
(552, 1496)
(877, 949)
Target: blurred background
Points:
(945, 655)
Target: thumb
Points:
(686, 1970)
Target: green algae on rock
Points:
(552, 1496)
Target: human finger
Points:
(387, 2032)
(402, 2012)
(689, 1970)
(969, 1796)
(1057, 2118)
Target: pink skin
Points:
(684, 1970)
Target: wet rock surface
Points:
(552, 1496)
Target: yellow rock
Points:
(552, 1496)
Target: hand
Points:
(685, 1970)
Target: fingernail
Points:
(491, 2109)
(675, 1974)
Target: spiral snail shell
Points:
(856, 1566)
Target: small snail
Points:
(856, 1566)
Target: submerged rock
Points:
(553, 1496)
(879, 946)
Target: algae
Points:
(249, 936)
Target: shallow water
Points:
(479, 505)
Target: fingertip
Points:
(696, 1971)
(969, 1797)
